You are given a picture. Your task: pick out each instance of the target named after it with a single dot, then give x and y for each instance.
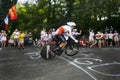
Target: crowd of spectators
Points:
(18, 39)
(105, 38)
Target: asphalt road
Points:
(88, 64)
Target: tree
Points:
(5, 5)
(95, 14)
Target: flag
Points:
(12, 13)
(6, 22)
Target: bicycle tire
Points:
(72, 51)
(47, 55)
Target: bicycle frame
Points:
(47, 50)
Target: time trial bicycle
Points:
(68, 47)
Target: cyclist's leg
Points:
(61, 42)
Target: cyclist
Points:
(62, 34)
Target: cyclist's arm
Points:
(71, 36)
(69, 33)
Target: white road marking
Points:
(106, 64)
(77, 66)
(86, 61)
(33, 55)
(0, 49)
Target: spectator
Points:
(36, 42)
(15, 36)
(4, 38)
(53, 33)
(91, 36)
(26, 39)
(11, 42)
(103, 36)
(50, 36)
(75, 33)
(30, 39)
(106, 29)
(83, 41)
(106, 38)
(111, 29)
(116, 38)
(21, 40)
(110, 37)
(42, 34)
(99, 36)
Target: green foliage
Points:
(54, 13)
(5, 5)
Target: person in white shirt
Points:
(53, 33)
(110, 37)
(63, 33)
(106, 38)
(91, 36)
(42, 34)
(4, 38)
(15, 37)
(75, 33)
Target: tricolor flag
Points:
(12, 13)
(6, 22)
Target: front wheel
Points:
(46, 52)
(72, 50)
